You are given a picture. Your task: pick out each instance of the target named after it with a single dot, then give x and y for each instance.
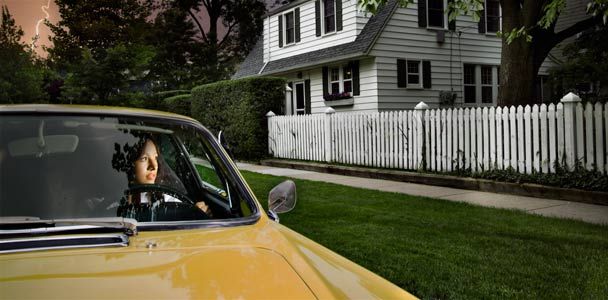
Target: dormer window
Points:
(290, 31)
(329, 16)
(435, 13)
(289, 27)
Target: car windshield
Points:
(54, 167)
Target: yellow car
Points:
(120, 203)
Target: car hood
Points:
(206, 273)
(261, 261)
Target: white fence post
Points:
(420, 142)
(328, 134)
(569, 101)
(271, 137)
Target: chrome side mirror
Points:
(281, 199)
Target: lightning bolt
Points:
(37, 36)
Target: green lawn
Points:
(441, 249)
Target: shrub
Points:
(179, 104)
(238, 108)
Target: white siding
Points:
(402, 38)
(352, 20)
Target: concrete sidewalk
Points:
(597, 214)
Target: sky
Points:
(28, 14)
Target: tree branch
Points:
(576, 28)
(227, 34)
(200, 27)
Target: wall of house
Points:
(366, 101)
(402, 38)
(353, 22)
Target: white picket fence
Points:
(527, 139)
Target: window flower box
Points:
(337, 96)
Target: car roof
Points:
(90, 110)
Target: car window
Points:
(81, 167)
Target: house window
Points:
(480, 84)
(413, 74)
(435, 15)
(469, 84)
(492, 15)
(299, 97)
(486, 84)
(340, 82)
(329, 15)
(334, 80)
(290, 32)
(347, 81)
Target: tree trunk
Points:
(517, 73)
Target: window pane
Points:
(335, 87)
(492, 15)
(469, 94)
(435, 13)
(469, 74)
(348, 86)
(348, 73)
(290, 28)
(335, 74)
(413, 79)
(486, 94)
(329, 13)
(413, 67)
(486, 75)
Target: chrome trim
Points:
(124, 242)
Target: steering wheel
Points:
(151, 188)
(160, 210)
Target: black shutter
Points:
(307, 96)
(481, 26)
(296, 15)
(422, 13)
(280, 31)
(426, 74)
(451, 24)
(318, 17)
(325, 83)
(338, 15)
(401, 73)
(356, 84)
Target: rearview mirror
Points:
(43, 145)
(282, 198)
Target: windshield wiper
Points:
(35, 225)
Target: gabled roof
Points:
(253, 64)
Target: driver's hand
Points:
(204, 207)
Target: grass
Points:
(447, 250)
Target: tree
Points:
(178, 61)
(240, 19)
(101, 46)
(528, 32)
(21, 79)
(586, 62)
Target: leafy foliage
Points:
(586, 62)
(238, 108)
(180, 104)
(22, 75)
(102, 48)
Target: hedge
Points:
(179, 104)
(238, 108)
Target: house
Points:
(334, 55)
